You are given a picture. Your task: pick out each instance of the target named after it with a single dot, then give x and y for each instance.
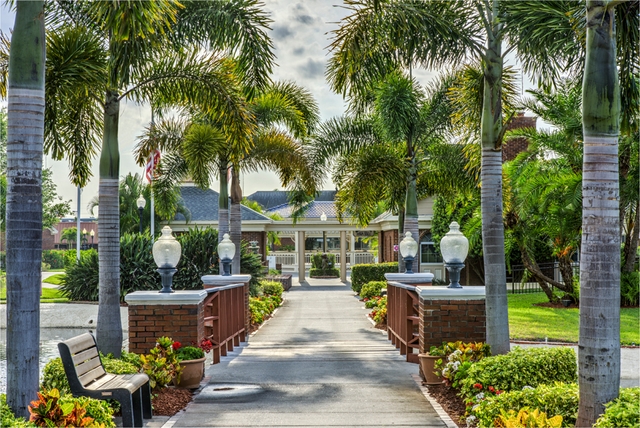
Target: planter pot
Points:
(192, 373)
(566, 303)
(427, 363)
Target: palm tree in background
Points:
(26, 95)
(142, 51)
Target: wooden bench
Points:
(87, 377)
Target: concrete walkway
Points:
(318, 362)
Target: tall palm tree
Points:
(24, 202)
(599, 356)
(381, 36)
(149, 52)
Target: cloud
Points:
(302, 15)
(298, 51)
(281, 32)
(312, 69)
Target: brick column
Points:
(178, 315)
(449, 315)
(211, 281)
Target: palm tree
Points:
(196, 148)
(24, 202)
(69, 235)
(599, 356)
(144, 48)
(383, 35)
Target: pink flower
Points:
(395, 248)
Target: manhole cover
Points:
(228, 390)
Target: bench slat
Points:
(85, 355)
(89, 365)
(131, 382)
(80, 343)
(92, 375)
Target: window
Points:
(428, 253)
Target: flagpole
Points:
(152, 227)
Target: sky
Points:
(301, 34)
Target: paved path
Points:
(318, 362)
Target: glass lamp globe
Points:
(141, 202)
(323, 217)
(454, 245)
(408, 246)
(166, 250)
(226, 248)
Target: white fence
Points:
(290, 260)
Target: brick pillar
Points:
(178, 315)
(211, 281)
(449, 315)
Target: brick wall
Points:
(389, 239)
(450, 321)
(257, 236)
(183, 323)
(511, 148)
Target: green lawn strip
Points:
(49, 295)
(55, 279)
(528, 322)
(56, 270)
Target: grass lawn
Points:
(55, 279)
(49, 295)
(530, 322)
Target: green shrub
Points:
(362, 274)
(54, 258)
(263, 306)
(53, 376)
(556, 399)
(629, 288)
(271, 288)
(520, 368)
(161, 364)
(138, 270)
(315, 273)
(7, 419)
(117, 366)
(323, 260)
(185, 353)
(99, 410)
(624, 411)
(372, 289)
(81, 280)
(131, 358)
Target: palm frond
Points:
(236, 27)
(164, 135)
(202, 143)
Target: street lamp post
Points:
(92, 234)
(166, 254)
(84, 238)
(226, 251)
(141, 202)
(408, 250)
(454, 247)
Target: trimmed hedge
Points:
(323, 264)
(520, 368)
(557, 399)
(362, 274)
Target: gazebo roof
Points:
(203, 205)
(314, 210)
(270, 199)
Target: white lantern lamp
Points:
(408, 250)
(166, 253)
(454, 247)
(140, 202)
(226, 251)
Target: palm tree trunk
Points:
(109, 327)
(235, 220)
(491, 194)
(631, 243)
(400, 232)
(411, 209)
(24, 203)
(599, 340)
(223, 205)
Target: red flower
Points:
(206, 345)
(176, 345)
(477, 386)
(498, 392)
(492, 389)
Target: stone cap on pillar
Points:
(475, 292)
(218, 280)
(178, 297)
(410, 278)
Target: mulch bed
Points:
(170, 401)
(448, 398)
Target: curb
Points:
(444, 416)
